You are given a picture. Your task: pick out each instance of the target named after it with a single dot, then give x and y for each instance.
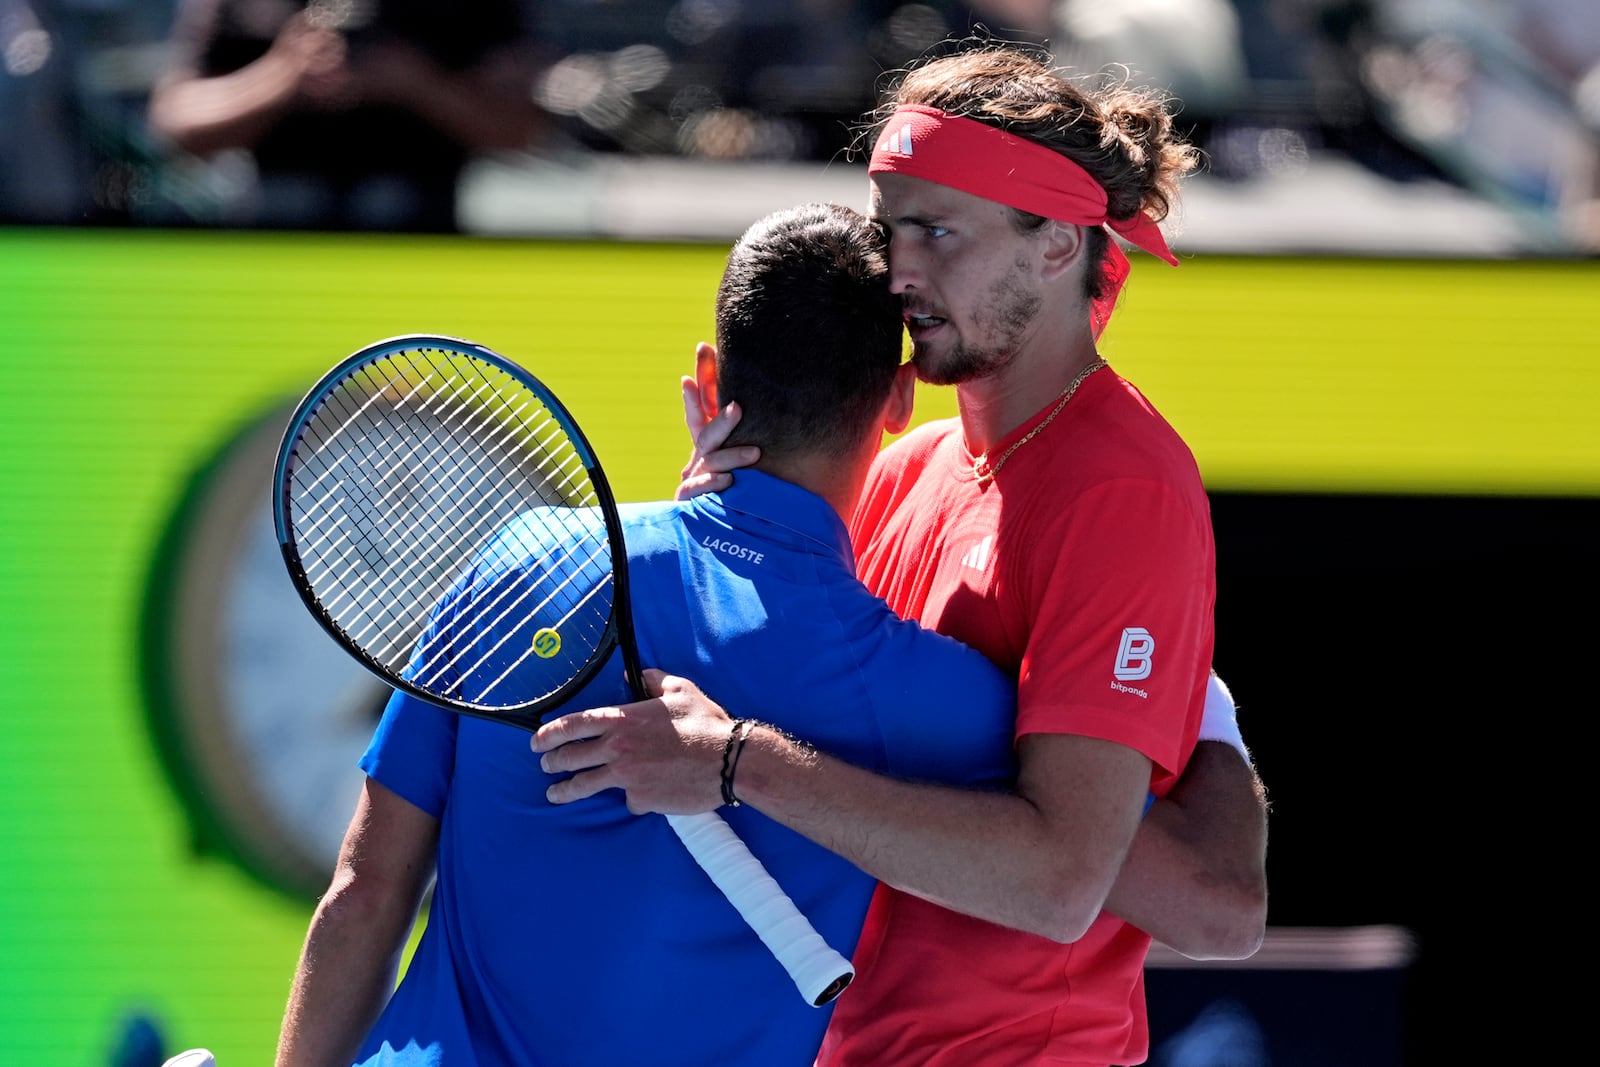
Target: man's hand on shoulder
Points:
(663, 752)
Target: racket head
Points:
(443, 517)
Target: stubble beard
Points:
(999, 324)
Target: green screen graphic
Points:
(134, 360)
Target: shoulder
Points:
(920, 442)
(650, 514)
(1142, 435)
(653, 529)
(1116, 442)
(944, 712)
(1116, 468)
(913, 655)
(912, 453)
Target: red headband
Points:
(986, 161)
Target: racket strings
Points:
(429, 450)
(482, 695)
(497, 612)
(425, 452)
(454, 491)
(573, 488)
(453, 487)
(404, 474)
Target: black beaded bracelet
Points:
(730, 758)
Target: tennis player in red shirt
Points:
(1058, 524)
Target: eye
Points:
(933, 229)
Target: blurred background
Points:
(1495, 101)
(1382, 345)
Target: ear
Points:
(902, 397)
(705, 376)
(1063, 245)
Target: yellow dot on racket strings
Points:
(546, 643)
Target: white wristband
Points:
(1220, 721)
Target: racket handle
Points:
(818, 971)
(195, 1057)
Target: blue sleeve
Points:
(947, 713)
(413, 752)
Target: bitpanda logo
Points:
(1134, 655)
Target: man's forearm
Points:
(206, 115)
(346, 973)
(1041, 859)
(1194, 878)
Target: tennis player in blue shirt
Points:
(753, 589)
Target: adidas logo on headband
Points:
(898, 141)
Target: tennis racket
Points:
(444, 518)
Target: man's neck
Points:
(836, 480)
(992, 407)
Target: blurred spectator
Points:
(1564, 37)
(1191, 48)
(358, 114)
(1487, 90)
(40, 164)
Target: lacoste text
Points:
(728, 548)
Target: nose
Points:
(904, 273)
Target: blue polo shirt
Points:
(581, 935)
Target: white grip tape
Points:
(195, 1057)
(818, 971)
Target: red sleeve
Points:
(1121, 635)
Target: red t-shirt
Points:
(1087, 569)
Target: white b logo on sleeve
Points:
(1133, 654)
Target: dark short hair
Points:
(808, 333)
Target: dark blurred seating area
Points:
(360, 114)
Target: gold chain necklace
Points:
(985, 471)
